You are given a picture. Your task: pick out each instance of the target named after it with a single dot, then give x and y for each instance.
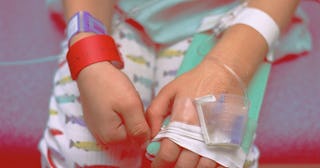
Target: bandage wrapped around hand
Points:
(211, 126)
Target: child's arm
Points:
(112, 108)
(243, 49)
(100, 9)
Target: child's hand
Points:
(111, 106)
(207, 78)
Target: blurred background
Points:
(289, 127)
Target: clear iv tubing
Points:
(54, 58)
(237, 77)
(29, 61)
(216, 31)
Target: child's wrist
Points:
(241, 48)
(83, 24)
(80, 36)
(92, 49)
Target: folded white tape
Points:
(190, 137)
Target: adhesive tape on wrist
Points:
(261, 22)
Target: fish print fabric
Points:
(67, 141)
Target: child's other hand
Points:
(112, 108)
(207, 78)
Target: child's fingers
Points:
(134, 120)
(159, 109)
(168, 154)
(205, 162)
(187, 159)
(106, 128)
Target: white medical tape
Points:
(190, 137)
(253, 17)
(261, 22)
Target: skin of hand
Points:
(112, 107)
(242, 49)
(214, 79)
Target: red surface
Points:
(19, 156)
(288, 132)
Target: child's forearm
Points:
(100, 9)
(242, 48)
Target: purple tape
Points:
(90, 24)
